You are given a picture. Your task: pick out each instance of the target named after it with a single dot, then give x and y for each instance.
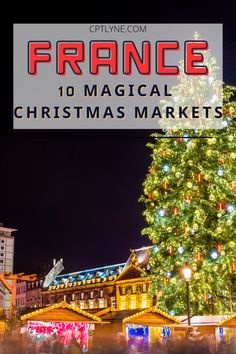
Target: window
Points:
(2, 241)
(122, 304)
(1, 260)
(133, 304)
(144, 301)
(2, 254)
(101, 303)
(144, 288)
(81, 305)
(2, 247)
(73, 297)
(113, 302)
(101, 293)
(133, 288)
(91, 304)
(82, 296)
(123, 290)
(91, 294)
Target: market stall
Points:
(226, 330)
(150, 326)
(62, 321)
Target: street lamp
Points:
(187, 271)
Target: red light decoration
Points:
(221, 206)
(218, 247)
(65, 330)
(175, 211)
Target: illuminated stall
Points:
(226, 330)
(150, 326)
(62, 321)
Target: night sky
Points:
(74, 194)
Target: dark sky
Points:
(74, 194)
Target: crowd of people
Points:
(176, 346)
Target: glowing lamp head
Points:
(187, 272)
(220, 172)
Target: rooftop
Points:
(6, 229)
(103, 272)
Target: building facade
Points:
(21, 287)
(29, 294)
(121, 286)
(7, 242)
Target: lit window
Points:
(101, 293)
(101, 303)
(144, 302)
(113, 302)
(82, 296)
(133, 304)
(91, 304)
(123, 304)
(123, 290)
(91, 294)
(81, 305)
(134, 289)
(144, 288)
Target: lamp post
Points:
(187, 271)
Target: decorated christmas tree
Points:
(190, 209)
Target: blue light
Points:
(165, 168)
(155, 248)
(180, 249)
(224, 123)
(172, 312)
(161, 212)
(186, 138)
(166, 332)
(168, 274)
(137, 331)
(214, 254)
(220, 172)
(230, 208)
(221, 332)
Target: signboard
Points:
(117, 76)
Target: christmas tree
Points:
(190, 209)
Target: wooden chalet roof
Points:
(61, 312)
(228, 322)
(205, 320)
(152, 317)
(112, 314)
